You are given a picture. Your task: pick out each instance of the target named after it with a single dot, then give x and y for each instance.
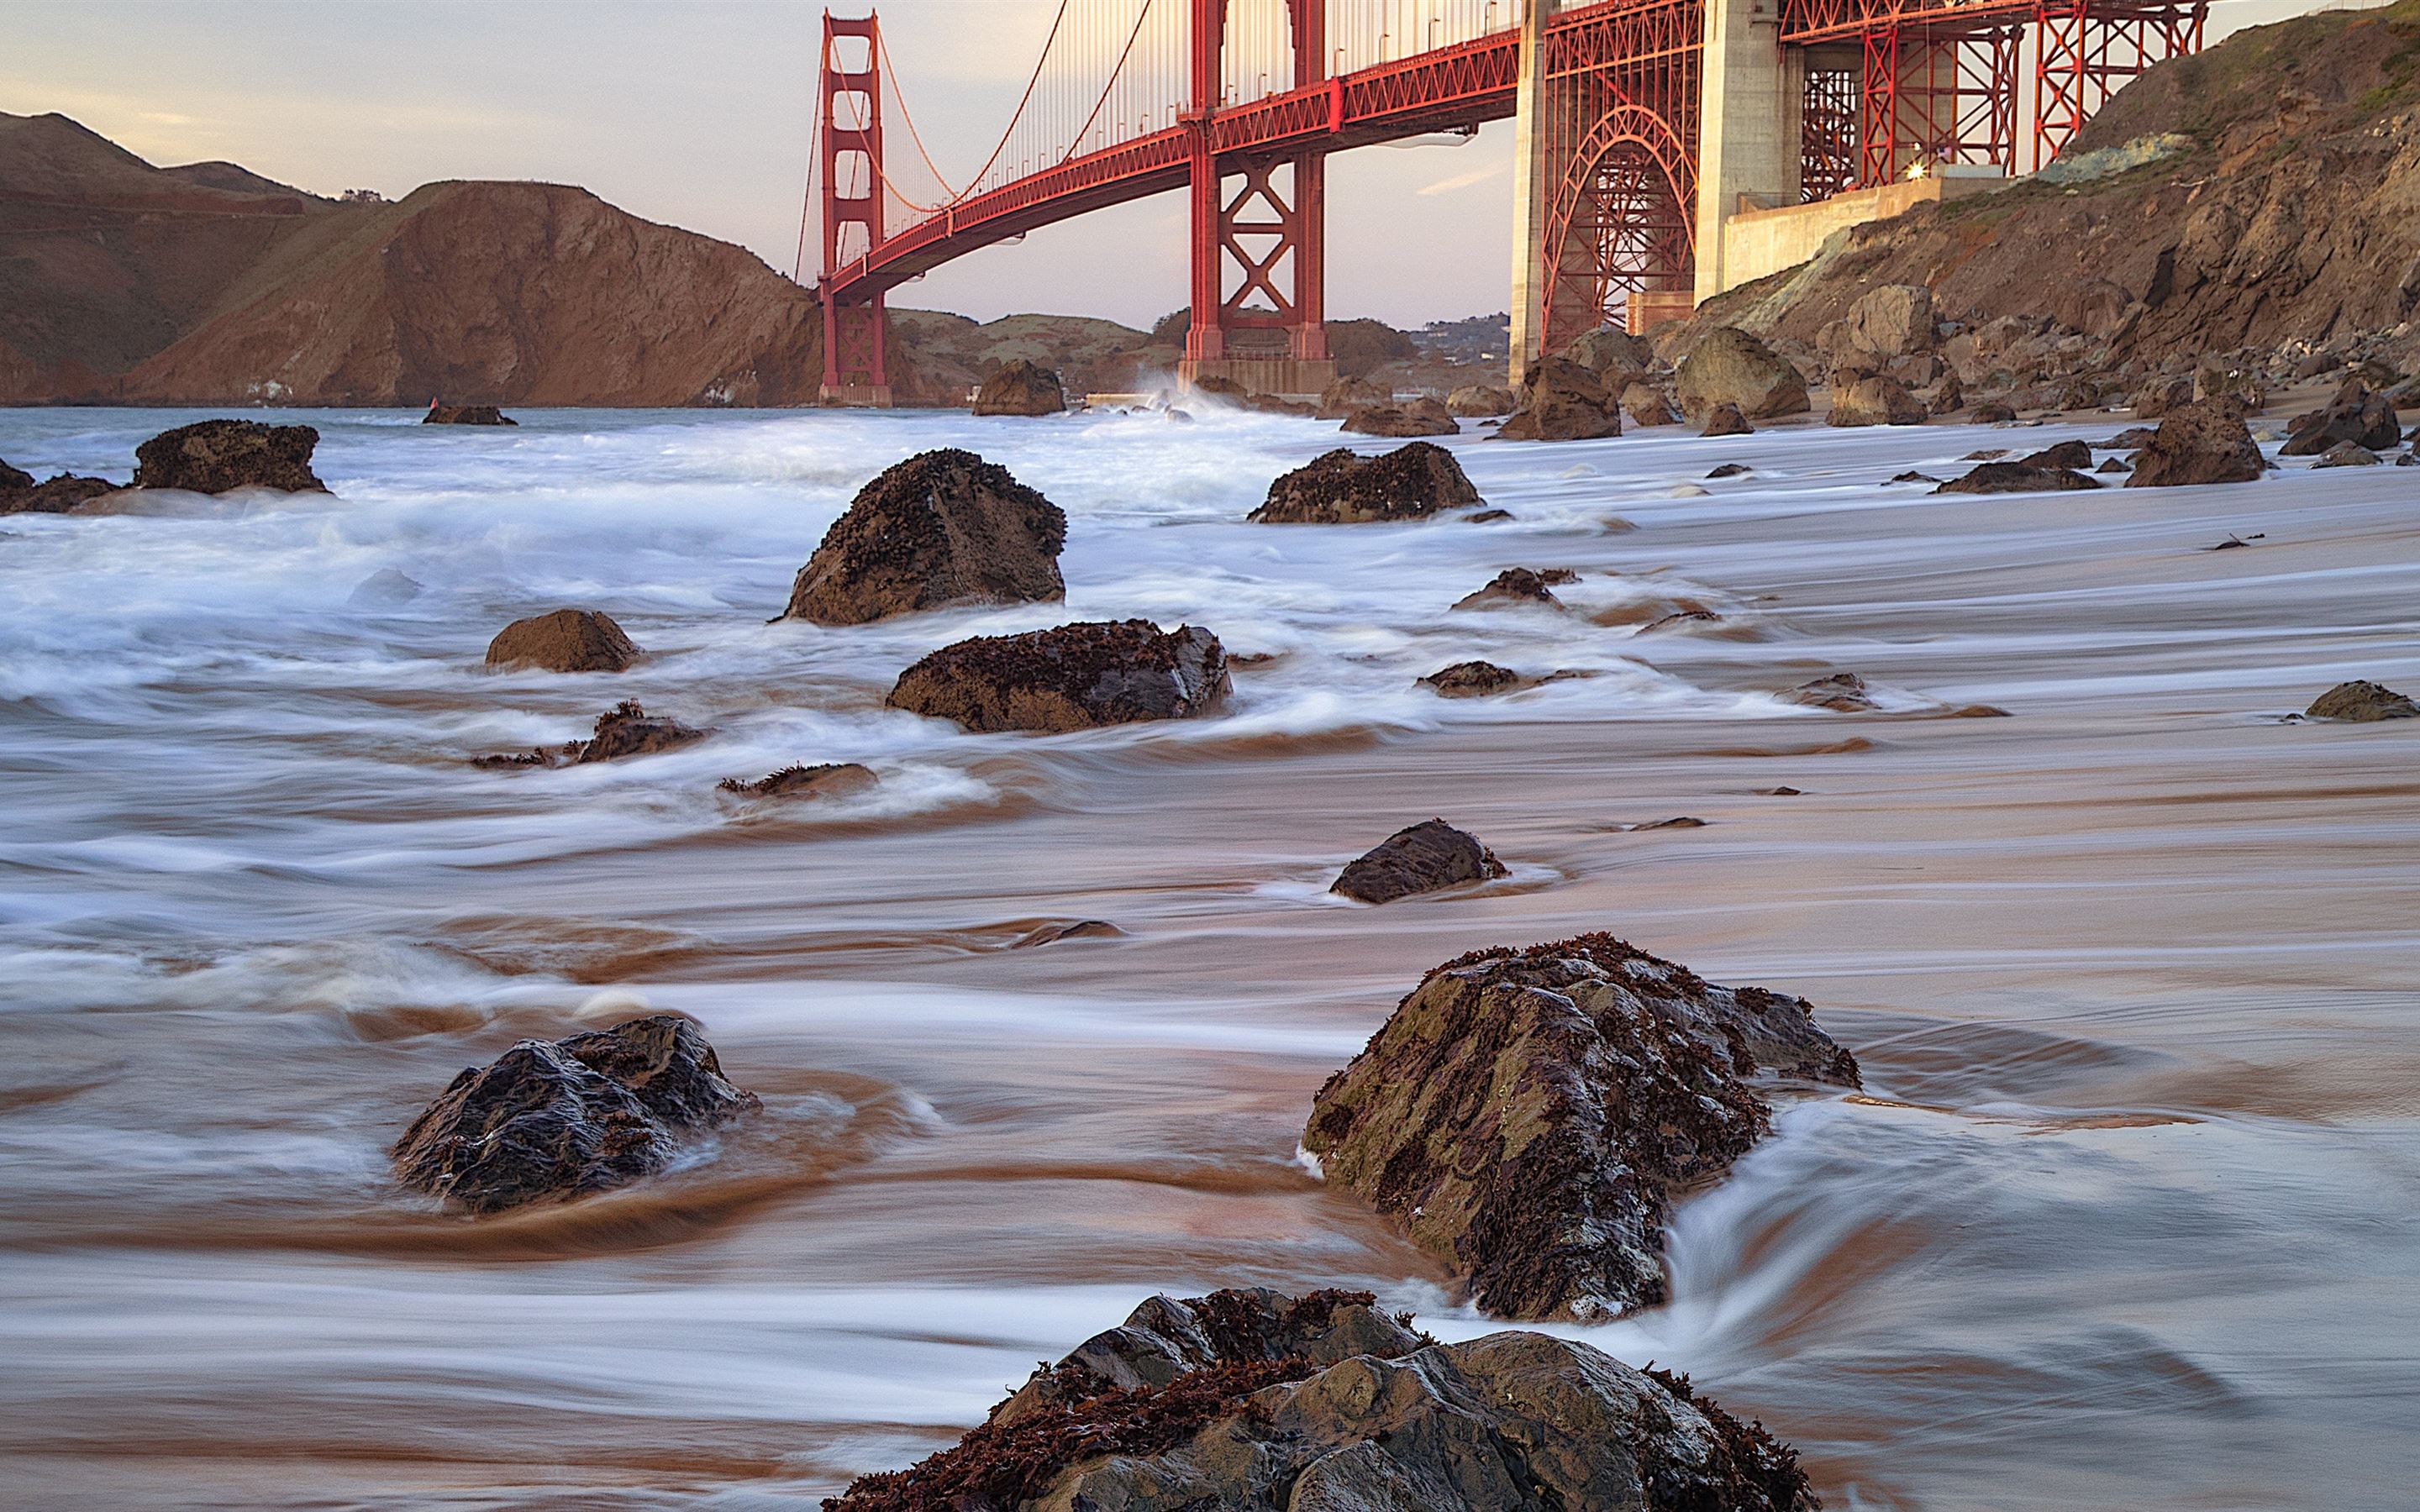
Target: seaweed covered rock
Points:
(568, 1118)
(1254, 1400)
(1729, 366)
(466, 415)
(830, 780)
(1512, 588)
(214, 455)
(1559, 400)
(2204, 441)
(567, 641)
(2361, 701)
(1343, 487)
(21, 495)
(943, 528)
(1530, 1115)
(1476, 679)
(1073, 677)
(1022, 387)
(624, 730)
(1420, 415)
(1421, 858)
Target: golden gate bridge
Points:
(1644, 126)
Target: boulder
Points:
(1993, 412)
(1476, 679)
(1948, 399)
(1842, 693)
(567, 641)
(2355, 415)
(21, 495)
(2204, 441)
(1895, 320)
(1020, 387)
(1560, 401)
(2115, 465)
(1530, 1116)
(1875, 401)
(1428, 856)
(1512, 588)
(1729, 366)
(1475, 399)
(2061, 455)
(1726, 420)
(940, 529)
(1346, 394)
(568, 1118)
(1073, 677)
(831, 780)
(1254, 1400)
(1610, 350)
(2127, 439)
(2239, 381)
(2349, 455)
(1343, 487)
(1418, 416)
(2162, 394)
(1646, 405)
(466, 415)
(214, 455)
(2361, 703)
(2016, 477)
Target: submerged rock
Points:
(1022, 387)
(568, 1118)
(1842, 693)
(567, 641)
(1729, 366)
(2204, 441)
(1252, 1400)
(1073, 677)
(2361, 702)
(21, 495)
(1418, 416)
(830, 780)
(1426, 856)
(1531, 1115)
(1476, 679)
(466, 415)
(941, 529)
(1513, 588)
(1343, 487)
(384, 589)
(2016, 477)
(214, 455)
(627, 730)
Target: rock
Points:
(2063, 455)
(466, 415)
(2127, 439)
(1073, 677)
(2115, 464)
(1993, 412)
(1512, 588)
(1948, 399)
(1346, 394)
(1726, 420)
(1253, 1400)
(831, 780)
(1895, 320)
(1875, 401)
(1914, 476)
(1476, 679)
(1489, 517)
(938, 529)
(2361, 703)
(1420, 416)
(2238, 381)
(2204, 441)
(2016, 477)
(1729, 366)
(1732, 469)
(1020, 387)
(1475, 399)
(1609, 349)
(1684, 618)
(627, 730)
(1428, 856)
(1560, 401)
(214, 455)
(2349, 455)
(568, 1118)
(1842, 693)
(1531, 1115)
(1646, 405)
(2162, 394)
(567, 641)
(1987, 453)
(21, 495)
(1343, 487)
(2354, 416)
(389, 589)
(1080, 929)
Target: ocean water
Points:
(2125, 1217)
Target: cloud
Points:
(1460, 181)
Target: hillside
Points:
(2278, 213)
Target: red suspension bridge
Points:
(1644, 126)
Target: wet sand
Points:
(2125, 1217)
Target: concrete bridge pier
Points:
(1747, 126)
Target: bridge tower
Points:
(1268, 333)
(848, 103)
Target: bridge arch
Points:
(1622, 223)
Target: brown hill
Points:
(2259, 201)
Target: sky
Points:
(696, 113)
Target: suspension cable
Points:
(1123, 55)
